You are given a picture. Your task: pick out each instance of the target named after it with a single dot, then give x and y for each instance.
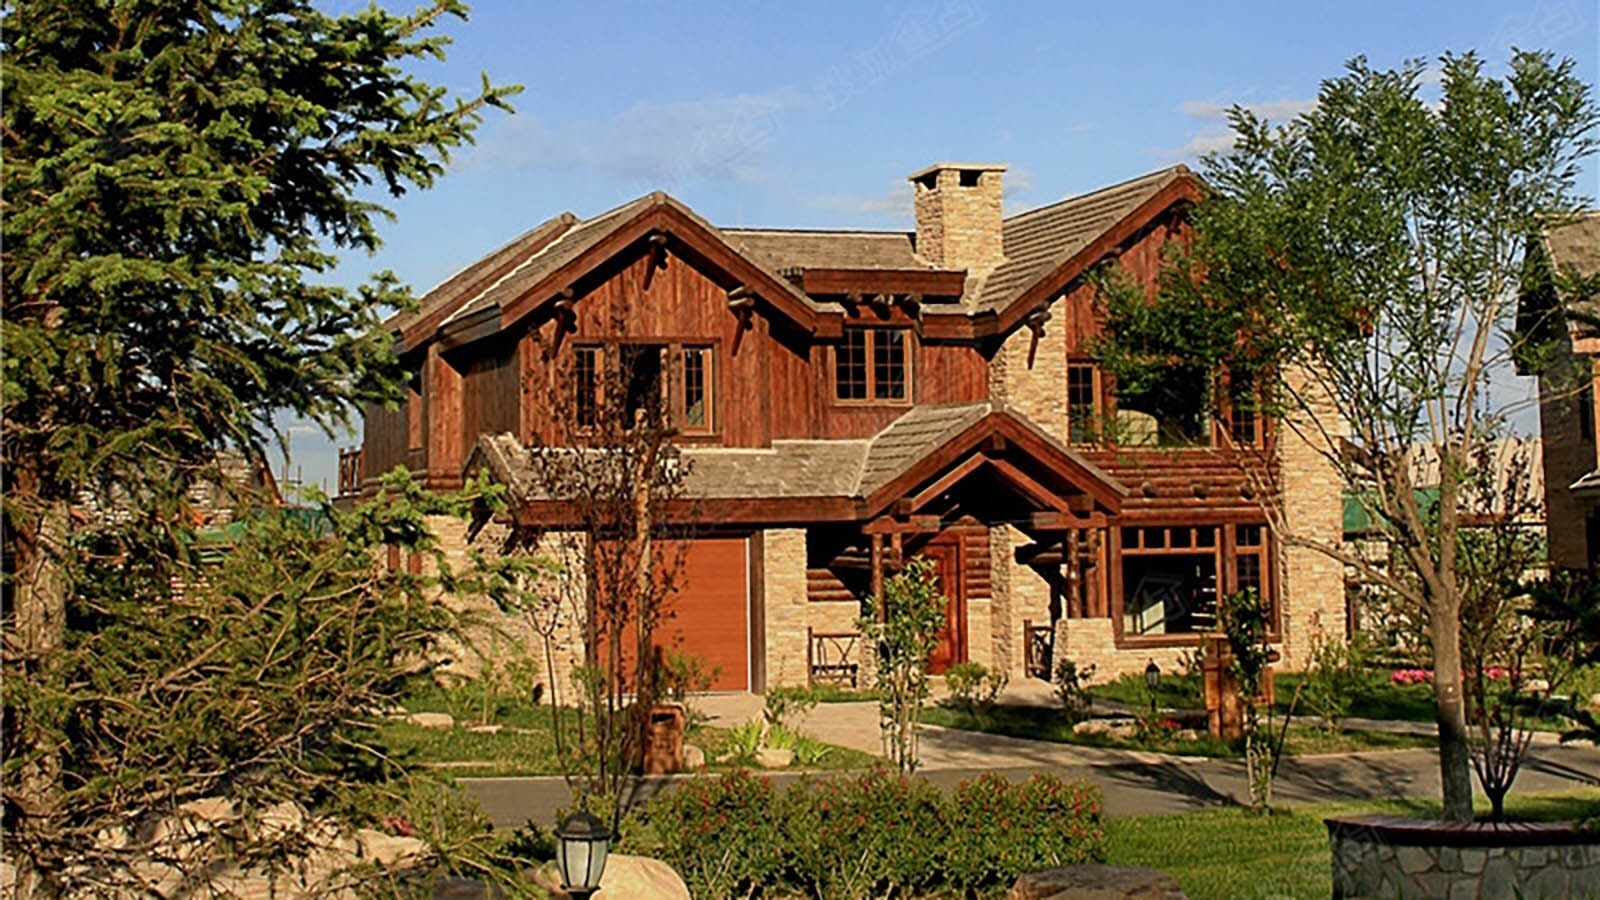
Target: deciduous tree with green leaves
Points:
(178, 179)
(1355, 272)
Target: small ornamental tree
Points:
(1355, 274)
(906, 632)
(1244, 621)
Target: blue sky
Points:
(791, 115)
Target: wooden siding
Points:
(491, 389)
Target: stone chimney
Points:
(958, 215)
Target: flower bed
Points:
(1390, 856)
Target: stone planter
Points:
(1381, 857)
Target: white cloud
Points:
(1216, 137)
(714, 138)
(893, 205)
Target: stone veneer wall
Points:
(492, 634)
(789, 612)
(1312, 593)
(1380, 857)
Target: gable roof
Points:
(1045, 248)
(1577, 243)
(1042, 240)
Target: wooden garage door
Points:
(709, 615)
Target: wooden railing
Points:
(833, 657)
(349, 471)
(1036, 644)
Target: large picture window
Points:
(1175, 576)
(872, 364)
(1168, 408)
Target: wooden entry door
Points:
(946, 554)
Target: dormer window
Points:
(872, 365)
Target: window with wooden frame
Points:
(1175, 576)
(1083, 402)
(872, 365)
(655, 379)
(1242, 419)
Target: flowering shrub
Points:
(874, 835)
(1410, 676)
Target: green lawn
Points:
(1047, 724)
(1233, 854)
(525, 745)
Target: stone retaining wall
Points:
(1382, 857)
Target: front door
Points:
(946, 555)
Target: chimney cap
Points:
(958, 166)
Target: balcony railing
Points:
(349, 471)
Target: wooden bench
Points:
(831, 657)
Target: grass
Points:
(526, 745)
(1234, 854)
(1046, 724)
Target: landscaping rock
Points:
(774, 758)
(431, 720)
(1097, 882)
(625, 878)
(694, 758)
(1118, 729)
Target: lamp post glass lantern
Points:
(584, 843)
(1152, 682)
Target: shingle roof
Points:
(914, 435)
(453, 290)
(781, 251)
(787, 469)
(1577, 244)
(1040, 239)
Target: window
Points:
(651, 381)
(1169, 580)
(1243, 424)
(1083, 402)
(586, 385)
(1166, 409)
(872, 364)
(696, 389)
(1174, 576)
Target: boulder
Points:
(486, 729)
(1097, 882)
(1117, 729)
(389, 850)
(774, 758)
(694, 758)
(431, 720)
(625, 878)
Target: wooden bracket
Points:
(566, 317)
(1036, 321)
(658, 256)
(912, 303)
(742, 302)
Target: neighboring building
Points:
(1567, 404)
(849, 399)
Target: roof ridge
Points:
(1179, 169)
(849, 231)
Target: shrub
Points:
(682, 675)
(874, 835)
(784, 703)
(974, 689)
(1334, 679)
(723, 835)
(1072, 689)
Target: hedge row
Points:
(870, 836)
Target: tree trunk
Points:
(1455, 761)
(38, 621)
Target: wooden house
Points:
(849, 399)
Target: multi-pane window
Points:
(1174, 576)
(696, 389)
(1083, 403)
(643, 383)
(872, 364)
(1169, 408)
(1243, 425)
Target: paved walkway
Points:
(1134, 782)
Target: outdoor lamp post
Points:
(582, 854)
(1152, 681)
